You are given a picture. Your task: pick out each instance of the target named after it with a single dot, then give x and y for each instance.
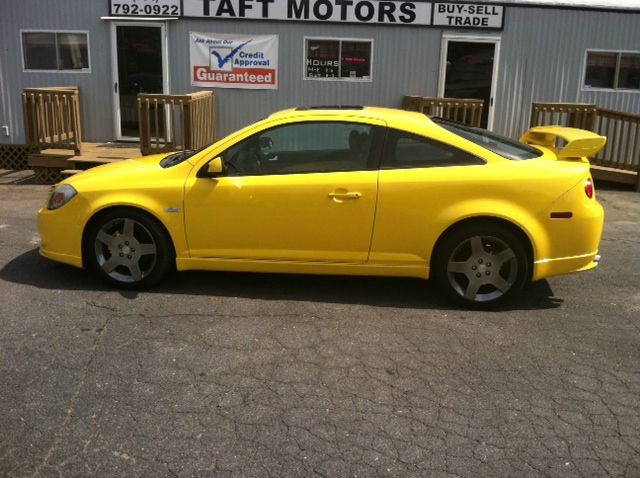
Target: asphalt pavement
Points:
(250, 375)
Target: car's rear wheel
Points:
(129, 249)
(481, 266)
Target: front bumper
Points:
(61, 233)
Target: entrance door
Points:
(139, 66)
(468, 70)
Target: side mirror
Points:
(212, 169)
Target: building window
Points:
(612, 70)
(55, 51)
(338, 59)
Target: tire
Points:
(481, 266)
(129, 249)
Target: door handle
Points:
(345, 195)
(115, 87)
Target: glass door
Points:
(139, 67)
(468, 70)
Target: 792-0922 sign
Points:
(145, 8)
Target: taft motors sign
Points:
(342, 11)
(234, 61)
(387, 12)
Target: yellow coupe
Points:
(342, 190)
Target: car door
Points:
(301, 191)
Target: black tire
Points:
(481, 266)
(128, 248)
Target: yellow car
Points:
(342, 190)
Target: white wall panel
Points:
(541, 59)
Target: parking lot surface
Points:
(249, 375)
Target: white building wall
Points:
(541, 59)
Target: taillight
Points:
(588, 188)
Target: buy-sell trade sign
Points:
(387, 12)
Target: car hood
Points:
(126, 174)
(135, 165)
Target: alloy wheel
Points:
(482, 268)
(125, 250)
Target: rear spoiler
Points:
(580, 143)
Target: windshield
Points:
(501, 145)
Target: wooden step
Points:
(82, 160)
(614, 175)
(81, 163)
(52, 164)
(57, 152)
(48, 161)
(70, 172)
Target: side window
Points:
(405, 150)
(312, 147)
(55, 51)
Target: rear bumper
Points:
(565, 265)
(571, 244)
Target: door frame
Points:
(446, 38)
(114, 70)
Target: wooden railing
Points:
(52, 118)
(622, 130)
(467, 111)
(622, 151)
(176, 122)
(575, 115)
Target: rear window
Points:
(501, 145)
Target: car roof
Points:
(391, 116)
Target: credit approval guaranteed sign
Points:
(234, 61)
(387, 12)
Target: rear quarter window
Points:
(406, 150)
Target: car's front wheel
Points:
(481, 266)
(128, 248)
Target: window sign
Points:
(55, 50)
(234, 61)
(612, 70)
(338, 59)
(145, 8)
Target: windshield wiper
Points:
(179, 157)
(175, 158)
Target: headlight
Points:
(61, 196)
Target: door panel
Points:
(293, 217)
(296, 191)
(416, 205)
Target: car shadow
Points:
(32, 269)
